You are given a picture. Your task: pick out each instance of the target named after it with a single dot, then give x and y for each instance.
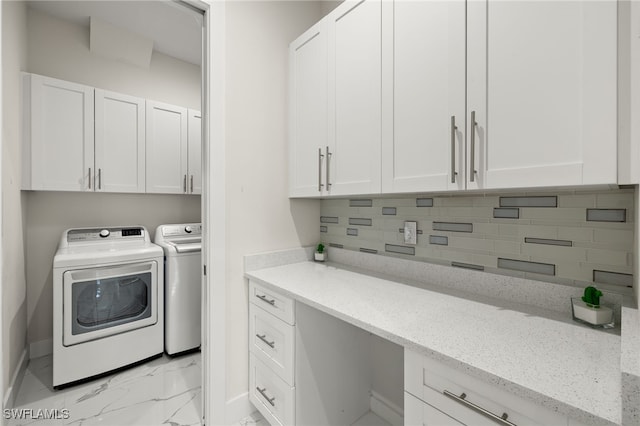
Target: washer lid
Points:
(191, 245)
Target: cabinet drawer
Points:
(272, 341)
(419, 413)
(272, 302)
(274, 398)
(428, 380)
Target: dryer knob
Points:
(188, 229)
(104, 233)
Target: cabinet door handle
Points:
(461, 399)
(453, 149)
(89, 177)
(320, 157)
(99, 178)
(184, 184)
(192, 184)
(263, 392)
(263, 337)
(472, 161)
(328, 179)
(272, 302)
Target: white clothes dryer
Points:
(107, 301)
(182, 286)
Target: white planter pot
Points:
(320, 257)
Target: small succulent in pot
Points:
(320, 255)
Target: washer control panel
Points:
(105, 234)
(182, 230)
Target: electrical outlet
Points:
(411, 233)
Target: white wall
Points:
(14, 301)
(60, 49)
(260, 217)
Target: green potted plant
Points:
(320, 255)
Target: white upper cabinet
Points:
(166, 153)
(542, 86)
(78, 138)
(58, 153)
(119, 142)
(424, 65)
(355, 98)
(308, 132)
(454, 95)
(335, 103)
(194, 154)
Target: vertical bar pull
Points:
(263, 392)
(328, 179)
(472, 161)
(192, 184)
(89, 177)
(99, 178)
(320, 156)
(184, 184)
(453, 149)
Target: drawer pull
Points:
(461, 399)
(264, 395)
(272, 302)
(263, 338)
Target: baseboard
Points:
(386, 409)
(238, 408)
(41, 348)
(16, 380)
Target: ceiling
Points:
(176, 30)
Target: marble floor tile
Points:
(163, 391)
(254, 419)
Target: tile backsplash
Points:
(573, 238)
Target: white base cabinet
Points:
(271, 354)
(438, 395)
(306, 367)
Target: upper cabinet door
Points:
(119, 142)
(542, 88)
(166, 155)
(354, 98)
(195, 152)
(308, 133)
(425, 71)
(60, 155)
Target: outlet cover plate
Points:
(411, 233)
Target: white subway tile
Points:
(507, 247)
(547, 253)
(607, 257)
(471, 243)
(575, 233)
(622, 236)
(622, 200)
(573, 213)
(577, 200)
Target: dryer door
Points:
(103, 301)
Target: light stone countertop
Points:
(565, 367)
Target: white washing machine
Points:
(182, 246)
(107, 301)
